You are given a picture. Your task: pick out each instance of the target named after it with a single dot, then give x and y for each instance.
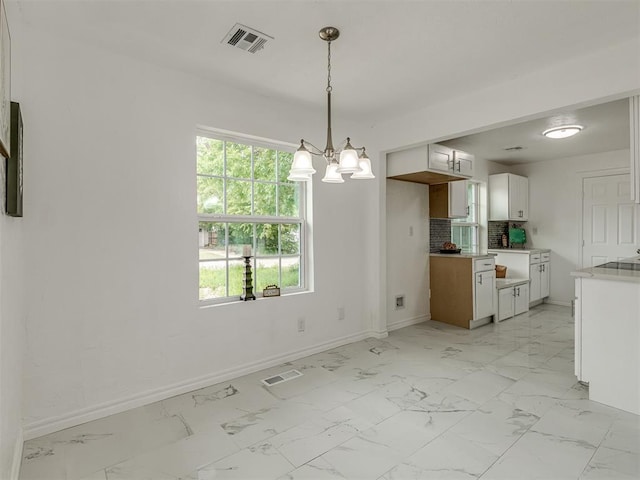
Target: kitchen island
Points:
(607, 333)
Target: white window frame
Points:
(472, 224)
(248, 140)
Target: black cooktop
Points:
(621, 266)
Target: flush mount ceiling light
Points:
(359, 166)
(562, 131)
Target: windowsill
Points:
(203, 304)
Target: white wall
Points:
(555, 210)
(407, 252)
(111, 231)
(11, 340)
(12, 317)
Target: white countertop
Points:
(519, 250)
(463, 255)
(510, 282)
(614, 274)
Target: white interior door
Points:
(611, 220)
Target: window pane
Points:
(213, 280)
(288, 200)
(264, 164)
(267, 239)
(290, 272)
(211, 241)
(210, 158)
(285, 159)
(264, 199)
(238, 160)
(210, 195)
(290, 238)
(240, 234)
(267, 273)
(238, 197)
(236, 271)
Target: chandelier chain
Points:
(329, 88)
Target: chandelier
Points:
(358, 165)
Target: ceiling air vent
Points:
(246, 38)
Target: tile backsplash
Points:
(439, 232)
(495, 231)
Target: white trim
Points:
(407, 322)
(53, 424)
(17, 456)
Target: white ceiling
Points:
(391, 56)
(606, 128)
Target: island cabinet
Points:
(607, 332)
(508, 197)
(462, 289)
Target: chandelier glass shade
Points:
(344, 160)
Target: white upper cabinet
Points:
(430, 164)
(440, 158)
(634, 111)
(463, 163)
(454, 162)
(508, 197)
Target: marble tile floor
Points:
(431, 401)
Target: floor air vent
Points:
(281, 377)
(246, 38)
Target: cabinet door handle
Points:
(544, 267)
(479, 279)
(514, 292)
(468, 215)
(518, 291)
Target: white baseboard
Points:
(71, 419)
(558, 302)
(17, 456)
(408, 321)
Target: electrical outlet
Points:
(399, 301)
(340, 313)
(301, 324)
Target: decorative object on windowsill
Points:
(350, 162)
(247, 278)
(271, 291)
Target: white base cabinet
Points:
(462, 289)
(513, 298)
(529, 264)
